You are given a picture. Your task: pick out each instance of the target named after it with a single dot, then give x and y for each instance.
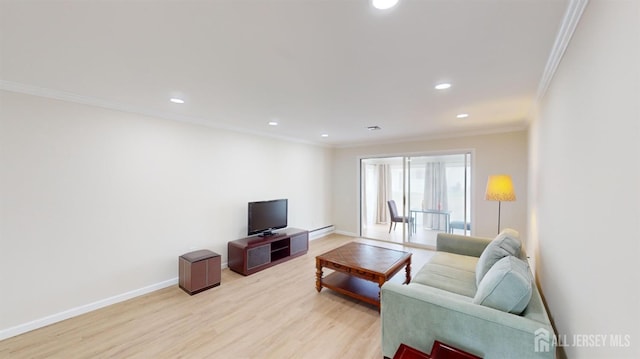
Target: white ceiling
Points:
(315, 66)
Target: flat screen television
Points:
(267, 216)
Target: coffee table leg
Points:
(381, 281)
(407, 270)
(318, 275)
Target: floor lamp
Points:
(499, 188)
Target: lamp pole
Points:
(499, 188)
(499, 202)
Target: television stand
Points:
(253, 254)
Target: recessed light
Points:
(324, 135)
(273, 123)
(462, 115)
(443, 86)
(176, 100)
(383, 4)
(374, 128)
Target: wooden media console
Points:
(253, 254)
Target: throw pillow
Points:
(507, 243)
(507, 286)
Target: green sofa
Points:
(485, 304)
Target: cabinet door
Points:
(213, 271)
(198, 275)
(258, 256)
(299, 243)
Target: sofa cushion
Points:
(451, 272)
(507, 286)
(506, 243)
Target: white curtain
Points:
(435, 194)
(365, 192)
(370, 193)
(384, 193)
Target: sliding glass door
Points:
(382, 190)
(438, 197)
(412, 198)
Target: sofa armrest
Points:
(464, 245)
(416, 315)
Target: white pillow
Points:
(506, 243)
(507, 286)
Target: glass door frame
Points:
(403, 208)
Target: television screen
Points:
(265, 216)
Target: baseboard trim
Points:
(73, 312)
(345, 233)
(321, 232)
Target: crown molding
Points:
(111, 105)
(567, 28)
(438, 136)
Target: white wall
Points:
(95, 203)
(585, 184)
(493, 154)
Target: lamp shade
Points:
(500, 188)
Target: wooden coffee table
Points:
(360, 270)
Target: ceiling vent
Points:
(374, 128)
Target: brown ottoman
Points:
(198, 271)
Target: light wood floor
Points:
(422, 236)
(276, 313)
